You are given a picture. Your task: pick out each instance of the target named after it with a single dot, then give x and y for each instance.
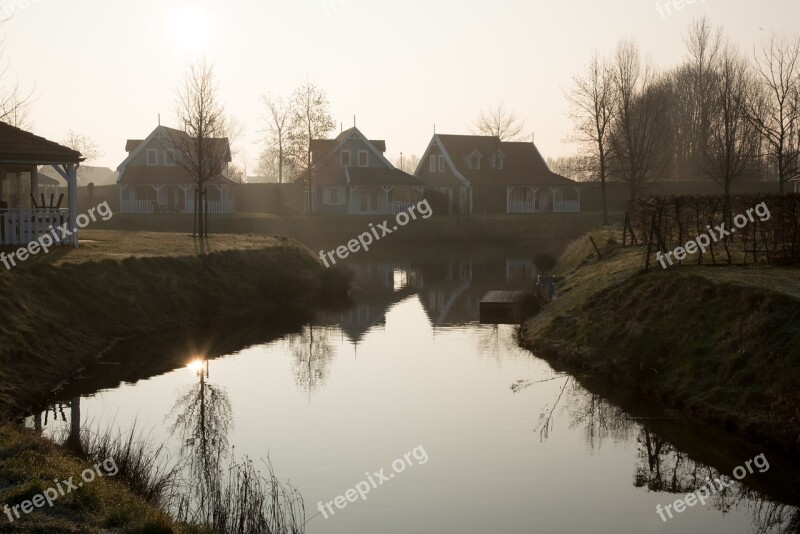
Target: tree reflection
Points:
(312, 353)
(203, 419)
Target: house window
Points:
(500, 163)
(441, 163)
(169, 157)
(363, 159)
(333, 196)
(433, 163)
(345, 158)
(152, 157)
(475, 162)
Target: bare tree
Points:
(14, 102)
(637, 134)
(311, 119)
(732, 148)
(407, 164)
(499, 122)
(83, 144)
(593, 98)
(202, 145)
(279, 120)
(776, 112)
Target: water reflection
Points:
(663, 467)
(421, 318)
(202, 419)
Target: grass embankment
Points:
(720, 342)
(58, 312)
(29, 465)
(332, 231)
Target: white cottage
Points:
(152, 181)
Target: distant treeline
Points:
(755, 228)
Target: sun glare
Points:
(196, 366)
(191, 29)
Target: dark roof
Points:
(320, 147)
(164, 175)
(380, 176)
(19, 146)
(133, 144)
(523, 164)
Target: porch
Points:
(530, 199)
(382, 200)
(26, 214)
(155, 199)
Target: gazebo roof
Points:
(18, 146)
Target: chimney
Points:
(533, 138)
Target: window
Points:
(152, 157)
(433, 162)
(334, 196)
(169, 157)
(500, 163)
(363, 158)
(475, 162)
(345, 158)
(441, 163)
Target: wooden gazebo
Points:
(25, 213)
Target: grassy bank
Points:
(332, 231)
(58, 312)
(721, 343)
(30, 465)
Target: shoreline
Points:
(692, 339)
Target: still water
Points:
(510, 445)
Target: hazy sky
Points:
(107, 68)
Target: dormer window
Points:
(474, 161)
(498, 160)
(344, 156)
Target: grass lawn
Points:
(98, 245)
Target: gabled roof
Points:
(165, 175)
(377, 176)
(19, 146)
(327, 170)
(522, 162)
(136, 146)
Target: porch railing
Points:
(399, 206)
(20, 226)
(146, 207)
(137, 206)
(519, 206)
(567, 206)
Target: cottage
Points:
(151, 179)
(350, 175)
(482, 174)
(26, 214)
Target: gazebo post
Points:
(34, 183)
(72, 183)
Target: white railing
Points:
(567, 206)
(224, 207)
(518, 206)
(215, 207)
(399, 206)
(136, 206)
(20, 226)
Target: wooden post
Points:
(599, 256)
(625, 229)
(650, 243)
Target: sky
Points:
(107, 68)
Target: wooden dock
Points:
(499, 307)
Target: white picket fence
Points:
(20, 226)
